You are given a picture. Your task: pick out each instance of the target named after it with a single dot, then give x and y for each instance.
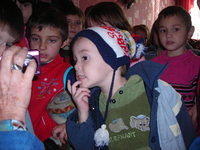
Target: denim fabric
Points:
(196, 144)
(19, 140)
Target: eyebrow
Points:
(83, 50)
(48, 36)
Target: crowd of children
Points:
(152, 104)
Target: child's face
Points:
(173, 34)
(48, 41)
(74, 24)
(5, 37)
(90, 67)
(26, 9)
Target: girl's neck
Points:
(176, 52)
(119, 81)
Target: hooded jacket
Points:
(81, 136)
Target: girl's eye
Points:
(162, 30)
(176, 29)
(84, 58)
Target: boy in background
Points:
(48, 32)
(174, 28)
(75, 19)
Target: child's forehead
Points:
(47, 29)
(72, 16)
(5, 35)
(83, 44)
(178, 19)
(4, 28)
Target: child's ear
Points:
(190, 33)
(65, 43)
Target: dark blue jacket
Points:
(81, 135)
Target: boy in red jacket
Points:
(48, 33)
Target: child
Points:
(139, 110)
(26, 6)
(109, 14)
(11, 24)
(48, 33)
(153, 43)
(141, 30)
(183, 66)
(75, 20)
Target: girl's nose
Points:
(77, 66)
(169, 34)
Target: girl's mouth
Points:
(80, 77)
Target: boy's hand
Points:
(59, 132)
(80, 96)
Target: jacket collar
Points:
(148, 70)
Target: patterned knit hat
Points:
(116, 46)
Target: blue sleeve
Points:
(196, 144)
(19, 140)
(186, 126)
(80, 135)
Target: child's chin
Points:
(85, 86)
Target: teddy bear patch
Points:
(141, 122)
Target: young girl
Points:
(183, 66)
(26, 7)
(128, 105)
(107, 13)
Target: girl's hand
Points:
(80, 96)
(59, 132)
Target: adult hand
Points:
(80, 96)
(15, 86)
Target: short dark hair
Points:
(76, 11)
(49, 17)
(11, 16)
(178, 11)
(141, 27)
